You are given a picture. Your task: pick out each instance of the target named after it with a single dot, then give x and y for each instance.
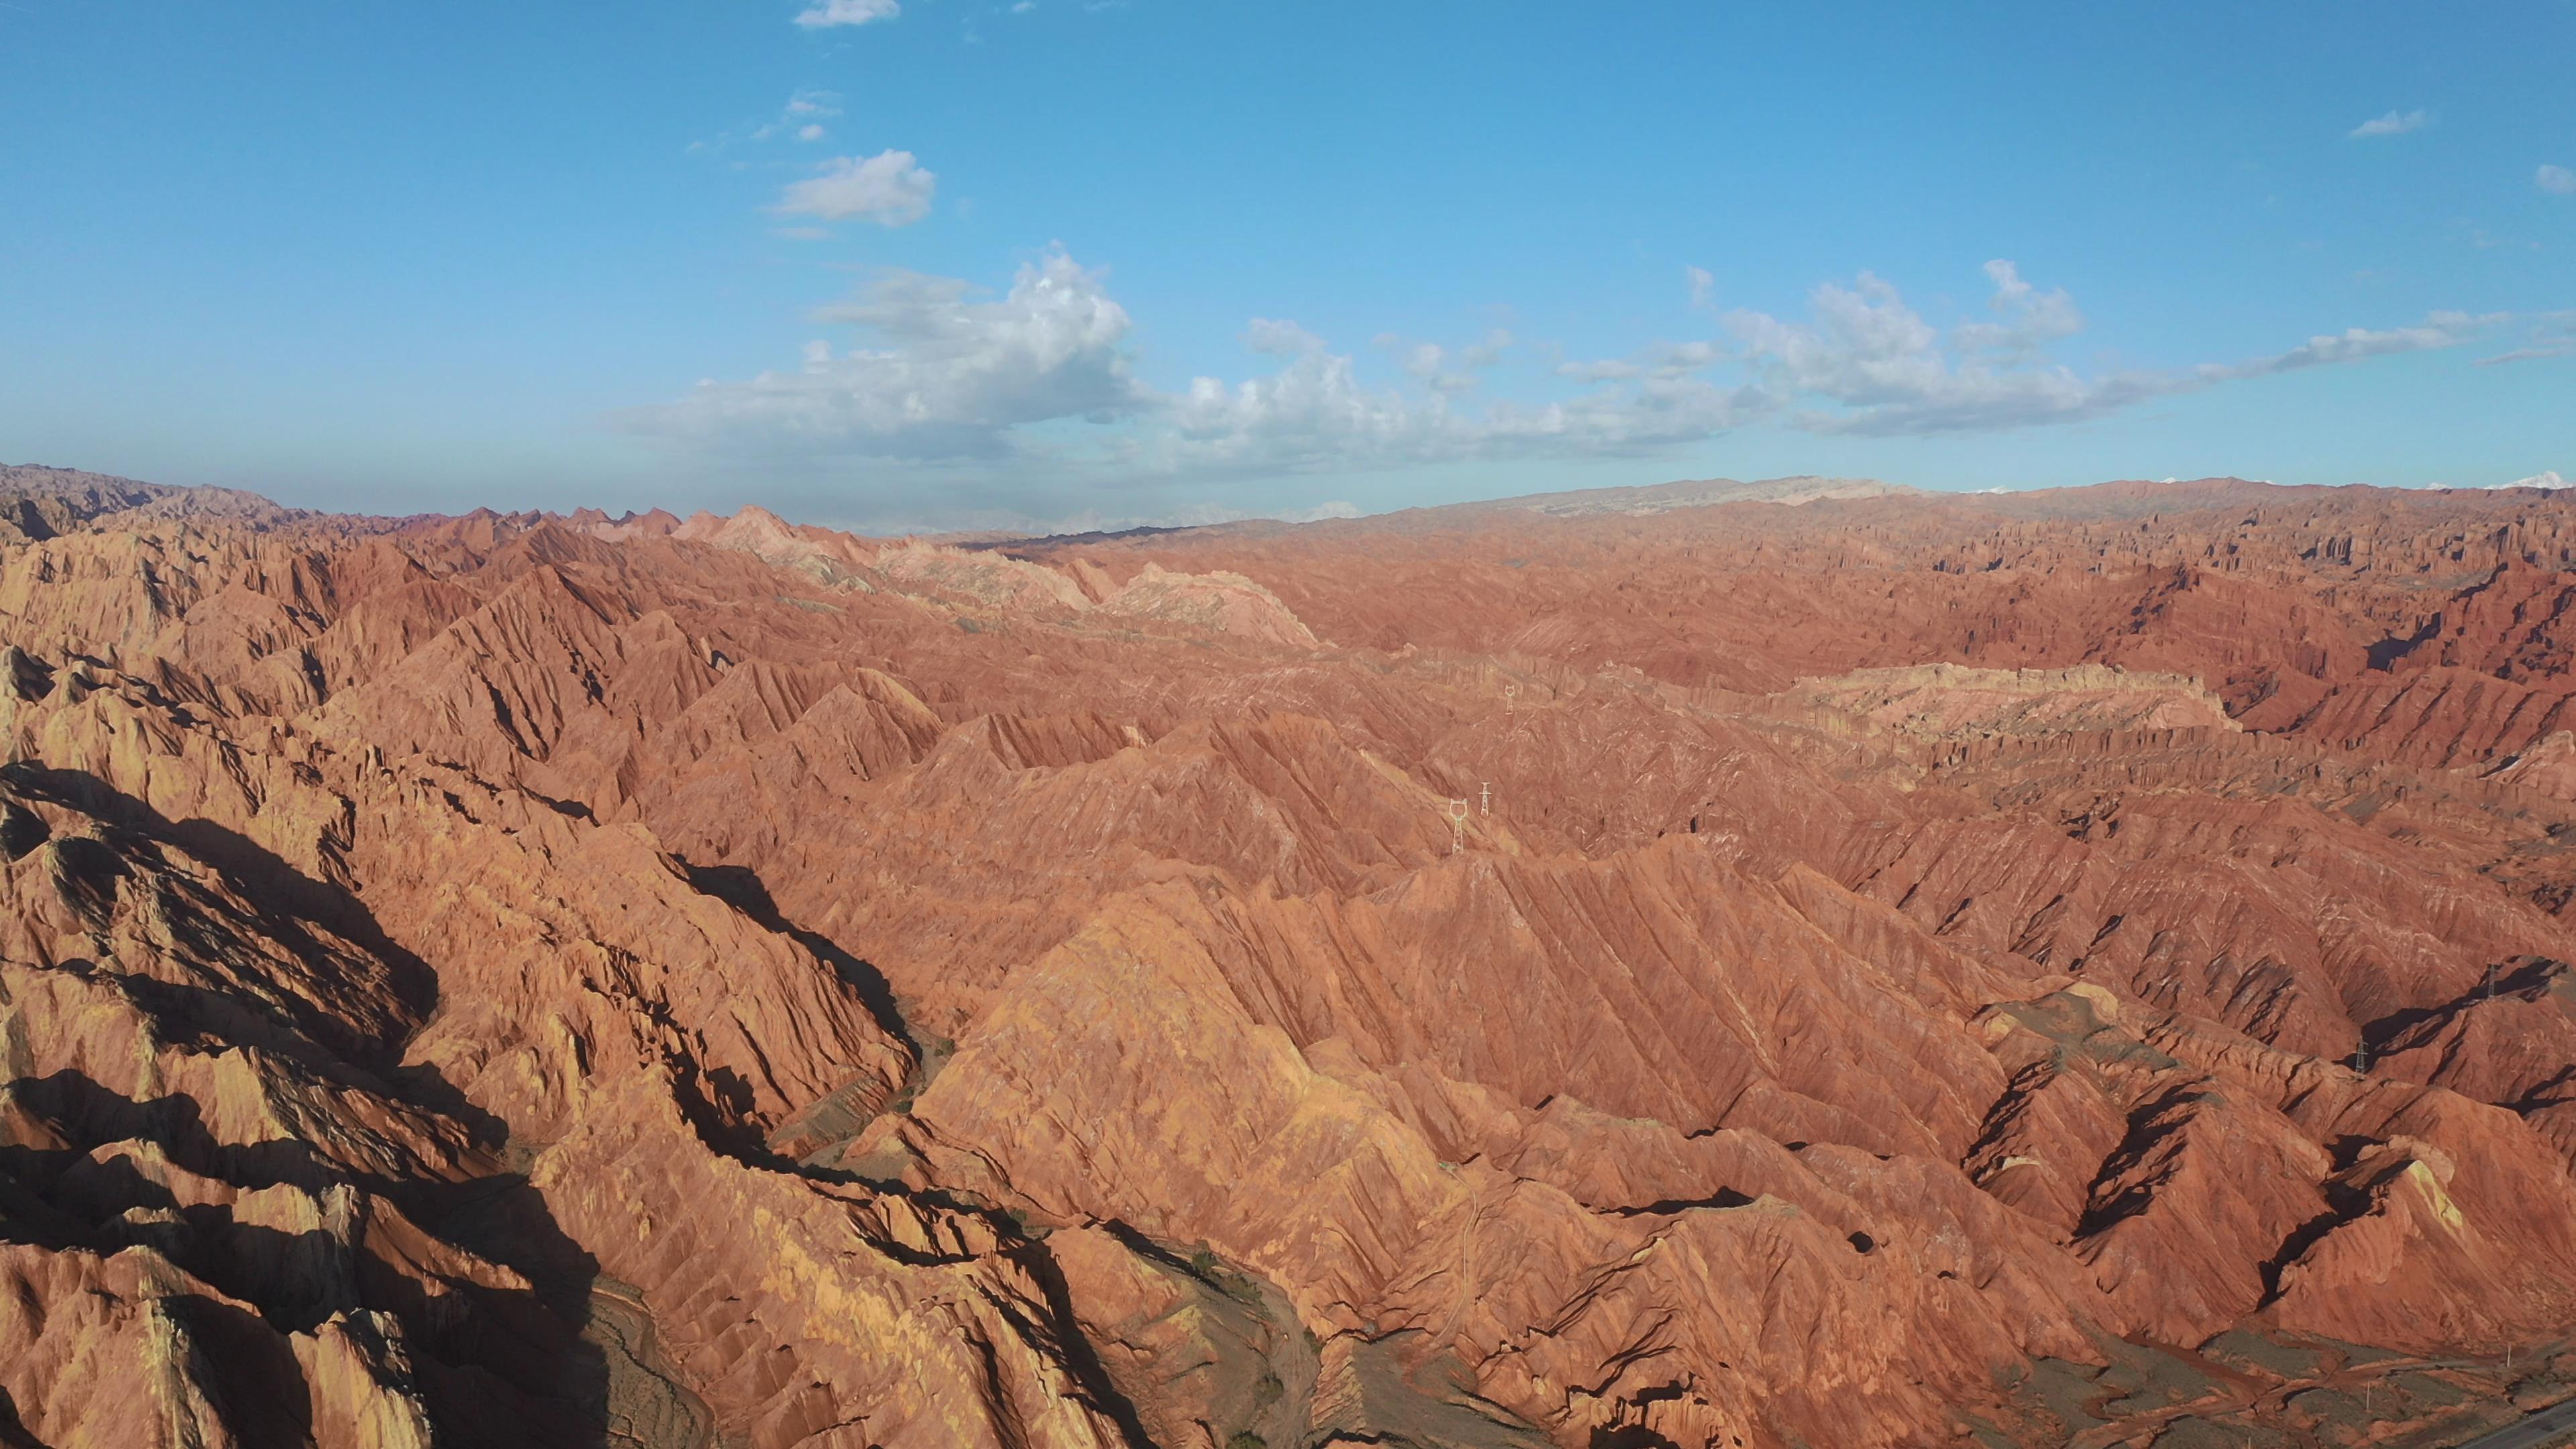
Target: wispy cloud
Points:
(2441, 329)
(2395, 123)
(890, 188)
(1602, 369)
(1447, 370)
(942, 374)
(2553, 334)
(1280, 339)
(826, 13)
(2557, 180)
(1316, 413)
(1879, 369)
(802, 117)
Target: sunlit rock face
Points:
(1833, 967)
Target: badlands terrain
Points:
(1798, 964)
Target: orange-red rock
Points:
(1792, 965)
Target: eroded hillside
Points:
(1883, 969)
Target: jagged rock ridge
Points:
(1890, 970)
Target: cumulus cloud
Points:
(950, 376)
(890, 188)
(1316, 412)
(2557, 180)
(943, 373)
(1448, 371)
(2395, 123)
(824, 14)
(2030, 318)
(1884, 372)
(1884, 366)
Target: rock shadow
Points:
(496, 1364)
(289, 897)
(740, 887)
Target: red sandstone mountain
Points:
(2068, 967)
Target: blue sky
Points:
(940, 263)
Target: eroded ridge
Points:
(1841, 966)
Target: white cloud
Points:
(2530, 354)
(1883, 371)
(1443, 370)
(2553, 334)
(889, 188)
(1603, 369)
(1316, 413)
(1285, 339)
(1199, 514)
(951, 378)
(826, 13)
(2031, 318)
(2557, 180)
(2441, 329)
(2548, 481)
(1876, 357)
(2393, 124)
(1665, 360)
(1702, 285)
(801, 117)
(941, 375)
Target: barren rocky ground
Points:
(1838, 967)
